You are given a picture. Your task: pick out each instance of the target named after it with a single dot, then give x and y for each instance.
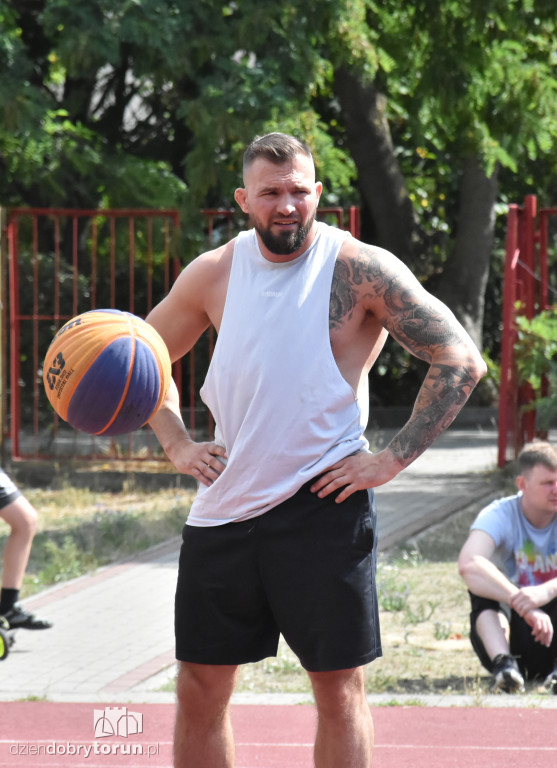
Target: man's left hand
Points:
(357, 472)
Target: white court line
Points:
(475, 747)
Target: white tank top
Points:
(282, 409)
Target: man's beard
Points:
(284, 243)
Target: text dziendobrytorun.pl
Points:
(34, 749)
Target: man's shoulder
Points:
(506, 501)
(354, 250)
(211, 263)
(204, 275)
(217, 255)
(373, 267)
(501, 510)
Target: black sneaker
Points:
(18, 618)
(506, 675)
(550, 682)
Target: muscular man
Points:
(281, 536)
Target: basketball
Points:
(106, 372)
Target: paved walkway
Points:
(112, 638)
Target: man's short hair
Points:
(537, 452)
(275, 147)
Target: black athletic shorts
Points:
(305, 569)
(8, 491)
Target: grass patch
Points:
(80, 530)
(425, 636)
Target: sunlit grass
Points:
(80, 530)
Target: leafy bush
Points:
(536, 360)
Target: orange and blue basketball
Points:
(106, 372)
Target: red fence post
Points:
(544, 258)
(507, 419)
(526, 281)
(528, 265)
(528, 260)
(15, 409)
(354, 221)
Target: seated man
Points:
(514, 604)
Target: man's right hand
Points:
(204, 461)
(528, 598)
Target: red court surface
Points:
(48, 735)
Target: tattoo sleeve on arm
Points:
(429, 331)
(343, 296)
(443, 393)
(416, 325)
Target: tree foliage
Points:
(536, 359)
(89, 85)
(429, 115)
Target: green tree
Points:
(425, 113)
(536, 362)
(463, 89)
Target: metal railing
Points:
(62, 262)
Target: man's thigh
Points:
(318, 561)
(221, 611)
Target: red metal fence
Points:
(62, 262)
(529, 246)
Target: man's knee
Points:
(31, 519)
(21, 516)
(204, 691)
(339, 693)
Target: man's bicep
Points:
(180, 318)
(421, 323)
(478, 544)
(417, 320)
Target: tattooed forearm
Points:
(343, 296)
(443, 393)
